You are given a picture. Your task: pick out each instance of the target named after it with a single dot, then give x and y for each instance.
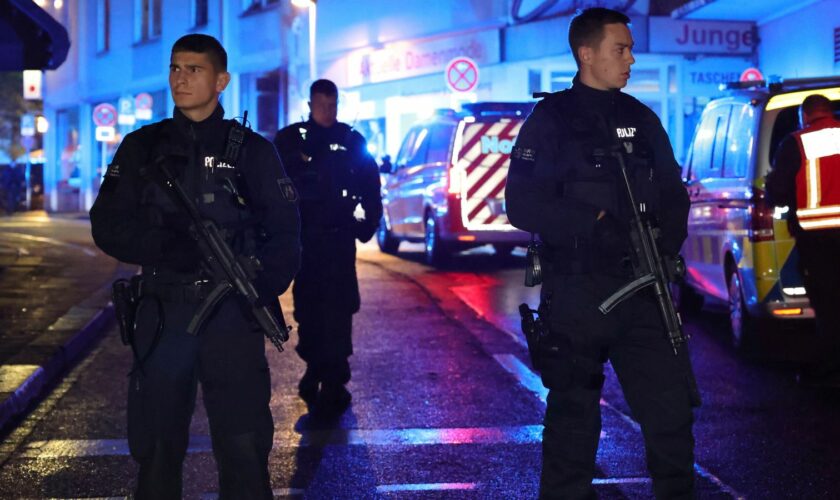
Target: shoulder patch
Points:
(287, 189)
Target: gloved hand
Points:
(610, 238)
(181, 253)
(364, 230)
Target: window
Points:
(440, 143)
(199, 13)
(414, 148)
(739, 142)
(704, 140)
(147, 19)
(255, 5)
(719, 144)
(103, 25)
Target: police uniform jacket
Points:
(560, 178)
(137, 220)
(333, 173)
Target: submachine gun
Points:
(650, 268)
(229, 272)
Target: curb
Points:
(51, 354)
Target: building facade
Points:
(395, 63)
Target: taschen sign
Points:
(683, 36)
(420, 57)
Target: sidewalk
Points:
(54, 302)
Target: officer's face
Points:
(608, 64)
(324, 109)
(195, 84)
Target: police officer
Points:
(333, 172)
(806, 178)
(563, 187)
(136, 219)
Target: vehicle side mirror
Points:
(386, 167)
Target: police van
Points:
(738, 247)
(446, 186)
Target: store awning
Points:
(738, 10)
(30, 38)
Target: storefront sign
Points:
(684, 36)
(704, 77)
(461, 74)
(420, 57)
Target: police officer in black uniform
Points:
(563, 187)
(136, 219)
(333, 173)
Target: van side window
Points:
(419, 149)
(739, 141)
(701, 150)
(406, 148)
(440, 143)
(719, 145)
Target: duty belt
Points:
(186, 293)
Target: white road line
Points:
(523, 374)
(51, 241)
(279, 492)
(621, 480)
(389, 488)
(525, 434)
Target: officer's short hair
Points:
(817, 103)
(203, 44)
(587, 28)
(323, 87)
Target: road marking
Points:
(51, 241)
(526, 434)
(526, 377)
(279, 492)
(621, 480)
(389, 488)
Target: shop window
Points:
(68, 158)
(259, 94)
(103, 25)
(836, 45)
(373, 130)
(148, 16)
(256, 5)
(534, 81)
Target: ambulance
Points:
(446, 187)
(739, 249)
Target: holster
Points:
(125, 294)
(535, 329)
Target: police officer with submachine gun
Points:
(204, 206)
(594, 176)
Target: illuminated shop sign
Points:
(683, 36)
(420, 57)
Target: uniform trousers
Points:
(818, 252)
(228, 358)
(658, 385)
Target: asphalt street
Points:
(445, 405)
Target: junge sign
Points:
(683, 36)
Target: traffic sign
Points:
(32, 80)
(751, 75)
(143, 106)
(27, 125)
(461, 74)
(105, 115)
(105, 134)
(126, 114)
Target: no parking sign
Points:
(461, 74)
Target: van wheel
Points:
(742, 325)
(386, 241)
(686, 299)
(436, 252)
